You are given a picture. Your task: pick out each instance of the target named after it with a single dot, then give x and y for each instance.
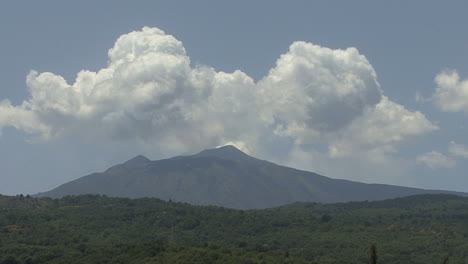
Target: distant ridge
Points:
(226, 176)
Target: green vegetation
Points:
(96, 229)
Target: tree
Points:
(373, 255)
(325, 218)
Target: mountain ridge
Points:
(227, 177)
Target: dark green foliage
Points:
(325, 218)
(97, 229)
(373, 255)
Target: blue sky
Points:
(392, 109)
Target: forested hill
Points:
(96, 229)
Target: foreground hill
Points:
(225, 177)
(95, 229)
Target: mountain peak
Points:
(140, 159)
(226, 152)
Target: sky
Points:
(370, 91)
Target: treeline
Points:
(97, 229)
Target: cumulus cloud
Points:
(318, 89)
(319, 95)
(436, 160)
(23, 119)
(379, 129)
(458, 150)
(150, 94)
(451, 94)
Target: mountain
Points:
(225, 177)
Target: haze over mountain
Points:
(225, 177)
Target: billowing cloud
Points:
(436, 160)
(378, 130)
(316, 95)
(23, 119)
(458, 150)
(148, 93)
(318, 89)
(451, 94)
(316, 101)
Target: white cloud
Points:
(316, 95)
(458, 150)
(436, 160)
(451, 94)
(150, 94)
(317, 89)
(379, 129)
(22, 119)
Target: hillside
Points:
(95, 229)
(225, 177)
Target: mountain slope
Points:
(226, 177)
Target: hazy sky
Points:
(373, 91)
